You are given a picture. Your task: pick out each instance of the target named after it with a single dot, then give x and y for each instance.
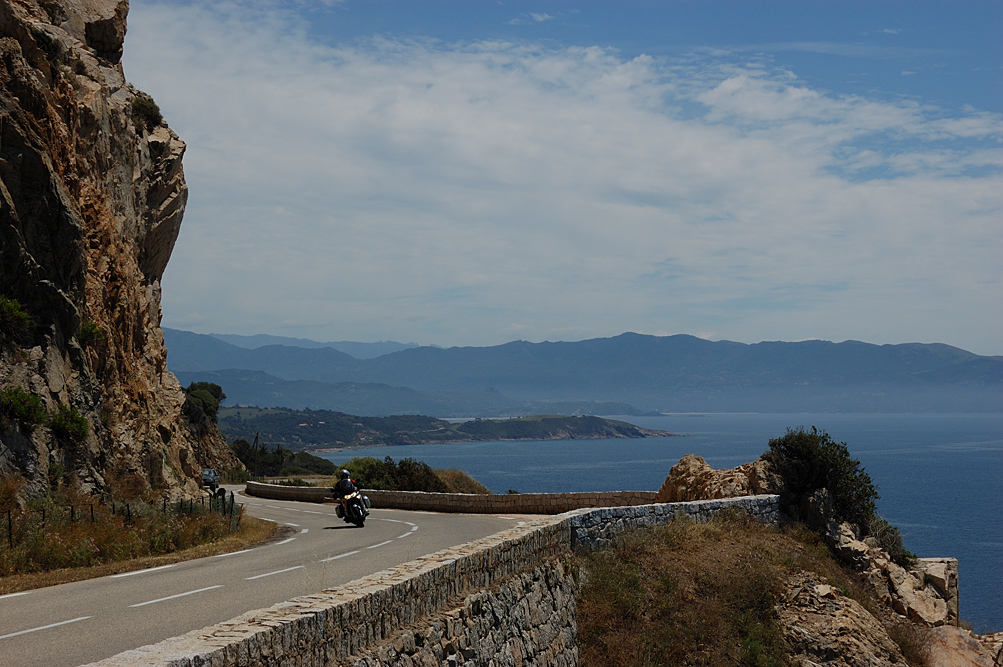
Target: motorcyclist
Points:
(345, 486)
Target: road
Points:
(86, 621)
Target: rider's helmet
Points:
(344, 474)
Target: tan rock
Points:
(693, 479)
(955, 647)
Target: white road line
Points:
(232, 553)
(285, 541)
(288, 569)
(311, 512)
(305, 530)
(410, 524)
(407, 534)
(413, 527)
(13, 595)
(151, 569)
(294, 525)
(393, 520)
(350, 553)
(264, 519)
(379, 545)
(179, 595)
(45, 627)
(274, 507)
(507, 517)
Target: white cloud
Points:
(471, 194)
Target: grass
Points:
(689, 594)
(68, 537)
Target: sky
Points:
(471, 173)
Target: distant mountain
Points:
(260, 389)
(668, 373)
(357, 350)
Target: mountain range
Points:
(640, 373)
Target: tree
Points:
(810, 460)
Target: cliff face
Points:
(92, 193)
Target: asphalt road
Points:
(86, 621)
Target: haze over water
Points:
(940, 476)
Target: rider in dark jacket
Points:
(345, 486)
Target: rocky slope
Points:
(92, 193)
(821, 625)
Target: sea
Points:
(940, 476)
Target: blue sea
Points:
(940, 476)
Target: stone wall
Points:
(507, 598)
(468, 503)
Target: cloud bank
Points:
(476, 193)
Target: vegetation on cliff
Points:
(714, 594)
(303, 429)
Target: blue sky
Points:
(464, 173)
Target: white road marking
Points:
(179, 595)
(311, 512)
(288, 569)
(350, 553)
(151, 569)
(264, 519)
(407, 534)
(294, 525)
(274, 507)
(380, 544)
(507, 517)
(285, 541)
(13, 595)
(44, 627)
(233, 553)
(393, 520)
(305, 530)
(413, 527)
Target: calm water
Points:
(940, 476)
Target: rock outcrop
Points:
(693, 479)
(92, 193)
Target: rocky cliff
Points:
(92, 193)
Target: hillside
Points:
(668, 373)
(311, 429)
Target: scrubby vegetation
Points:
(14, 321)
(69, 530)
(688, 594)
(201, 405)
(406, 475)
(19, 406)
(90, 333)
(69, 425)
(809, 460)
(145, 112)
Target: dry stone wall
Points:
(508, 598)
(468, 503)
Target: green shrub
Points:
(145, 112)
(26, 409)
(406, 475)
(201, 405)
(69, 425)
(889, 538)
(89, 333)
(809, 460)
(14, 321)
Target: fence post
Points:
(128, 513)
(92, 512)
(165, 504)
(73, 514)
(43, 517)
(10, 529)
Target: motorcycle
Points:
(353, 508)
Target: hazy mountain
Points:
(369, 399)
(670, 373)
(357, 350)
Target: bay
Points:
(940, 476)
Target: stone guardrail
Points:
(466, 503)
(505, 598)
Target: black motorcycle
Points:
(353, 508)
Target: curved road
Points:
(86, 621)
